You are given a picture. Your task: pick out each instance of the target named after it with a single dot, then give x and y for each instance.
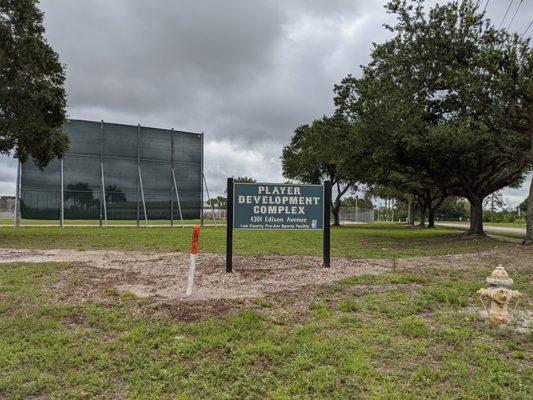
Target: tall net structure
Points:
(117, 172)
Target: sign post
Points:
(277, 206)
(229, 227)
(327, 224)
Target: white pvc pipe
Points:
(192, 269)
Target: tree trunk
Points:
(335, 210)
(529, 217)
(422, 216)
(433, 208)
(476, 217)
(431, 219)
(411, 217)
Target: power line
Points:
(514, 15)
(506, 12)
(486, 4)
(527, 29)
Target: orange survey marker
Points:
(194, 254)
(195, 238)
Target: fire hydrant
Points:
(499, 294)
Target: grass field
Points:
(366, 241)
(397, 336)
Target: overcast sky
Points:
(244, 72)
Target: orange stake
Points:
(195, 238)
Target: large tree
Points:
(244, 179)
(32, 97)
(436, 99)
(319, 152)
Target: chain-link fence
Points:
(7, 214)
(215, 212)
(356, 215)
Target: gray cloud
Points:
(244, 72)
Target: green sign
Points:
(278, 206)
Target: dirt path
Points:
(164, 275)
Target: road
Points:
(492, 229)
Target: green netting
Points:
(120, 140)
(156, 144)
(81, 176)
(39, 204)
(85, 137)
(117, 150)
(187, 147)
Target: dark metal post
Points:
(229, 227)
(138, 166)
(202, 183)
(171, 185)
(101, 163)
(327, 223)
(62, 205)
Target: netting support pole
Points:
(62, 204)
(103, 193)
(16, 218)
(178, 198)
(142, 196)
(209, 201)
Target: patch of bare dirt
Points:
(164, 275)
